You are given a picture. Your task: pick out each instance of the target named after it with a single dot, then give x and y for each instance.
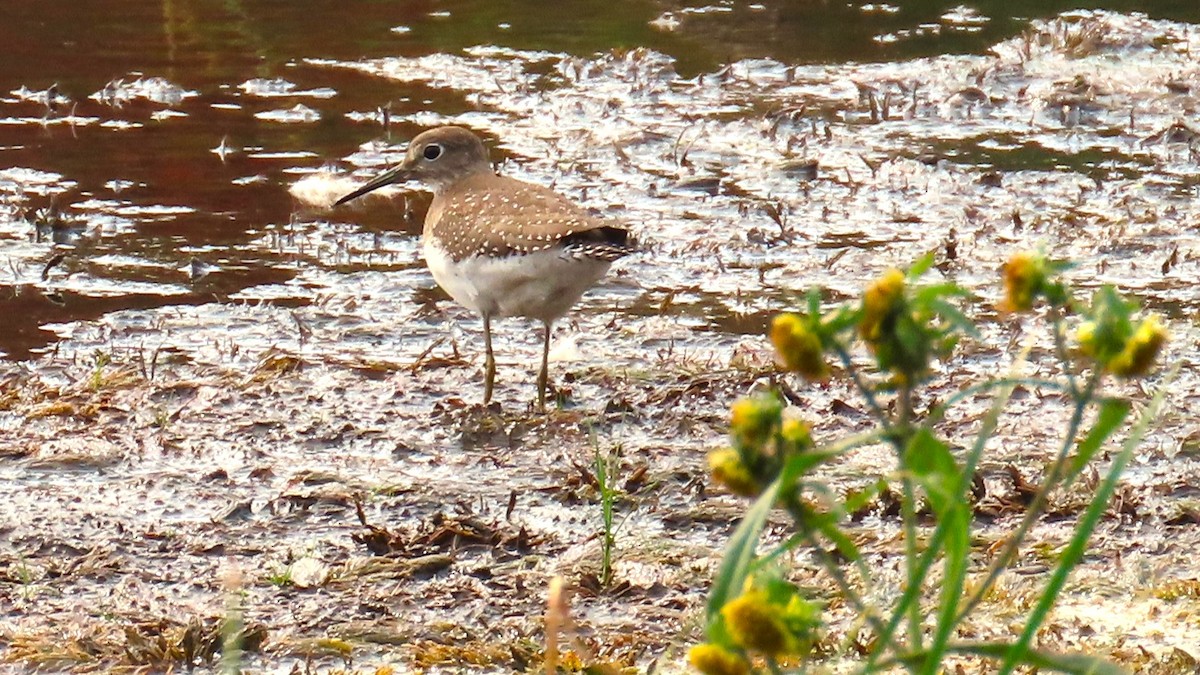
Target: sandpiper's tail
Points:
(606, 243)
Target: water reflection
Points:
(150, 146)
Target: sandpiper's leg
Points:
(544, 375)
(489, 365)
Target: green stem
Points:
(908, 511)
(1076, 664)
(863, 389)
(910, 595)
(1034, 511)
(957, 558)
(939, 411)
(796, 510)
(1060, 347)
(909, 515)
(1083, 532)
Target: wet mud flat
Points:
(319, 466)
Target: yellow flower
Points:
(1140, 350)
(1086, 336)
(880, 302)
(802, 619)
(712, 659)
(754, 623)
(795, 433)
(1121, 349)
(1024, 278)
(754, 419)
(728, 469)
(798, 347)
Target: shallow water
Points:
(238, 364)
(171, 131)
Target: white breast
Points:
(541, 285)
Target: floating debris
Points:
(297, 114)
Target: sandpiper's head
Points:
(437, 157)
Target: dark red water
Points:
(210, 48)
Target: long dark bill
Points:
(396, 175)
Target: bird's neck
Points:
(463, 181)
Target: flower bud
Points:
(795, 433)
(754, 623)
(728, 469)
(712, 659)
(1024, 279)
(1140, 350)
(754, 420)
(798, 347)
(882, 299)
(1086, 336)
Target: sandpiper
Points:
(501, 246)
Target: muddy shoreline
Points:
(310, 448)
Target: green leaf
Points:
(921, 266)
(916, 577)
(933, 292)
(1083, 530)
(955, 530)
(957, 550)
(1110, 314)
(931, 463)
(844, 318)
(845, 546)
(800, 464)
(857, 499)
(1076, 664)
(814, 302)
(909, 352)
(1112, 413)
(735, 565)
(778, 589)
(954, 317)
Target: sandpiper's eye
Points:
(432, 151)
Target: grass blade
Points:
(1083, 532)
(1075, 664)
(1112, 414)
(735, 564)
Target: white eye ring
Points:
(432, 151)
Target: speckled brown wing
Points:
(498, 217)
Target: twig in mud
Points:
(362, 515)
(512, 504)
(778, 212)
(873, 166)
(1171, 261)
(51, 263)
(303, 332)
(423, 357)
(833, 259)
(681, 159)
(781, 384)
(558, 619)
